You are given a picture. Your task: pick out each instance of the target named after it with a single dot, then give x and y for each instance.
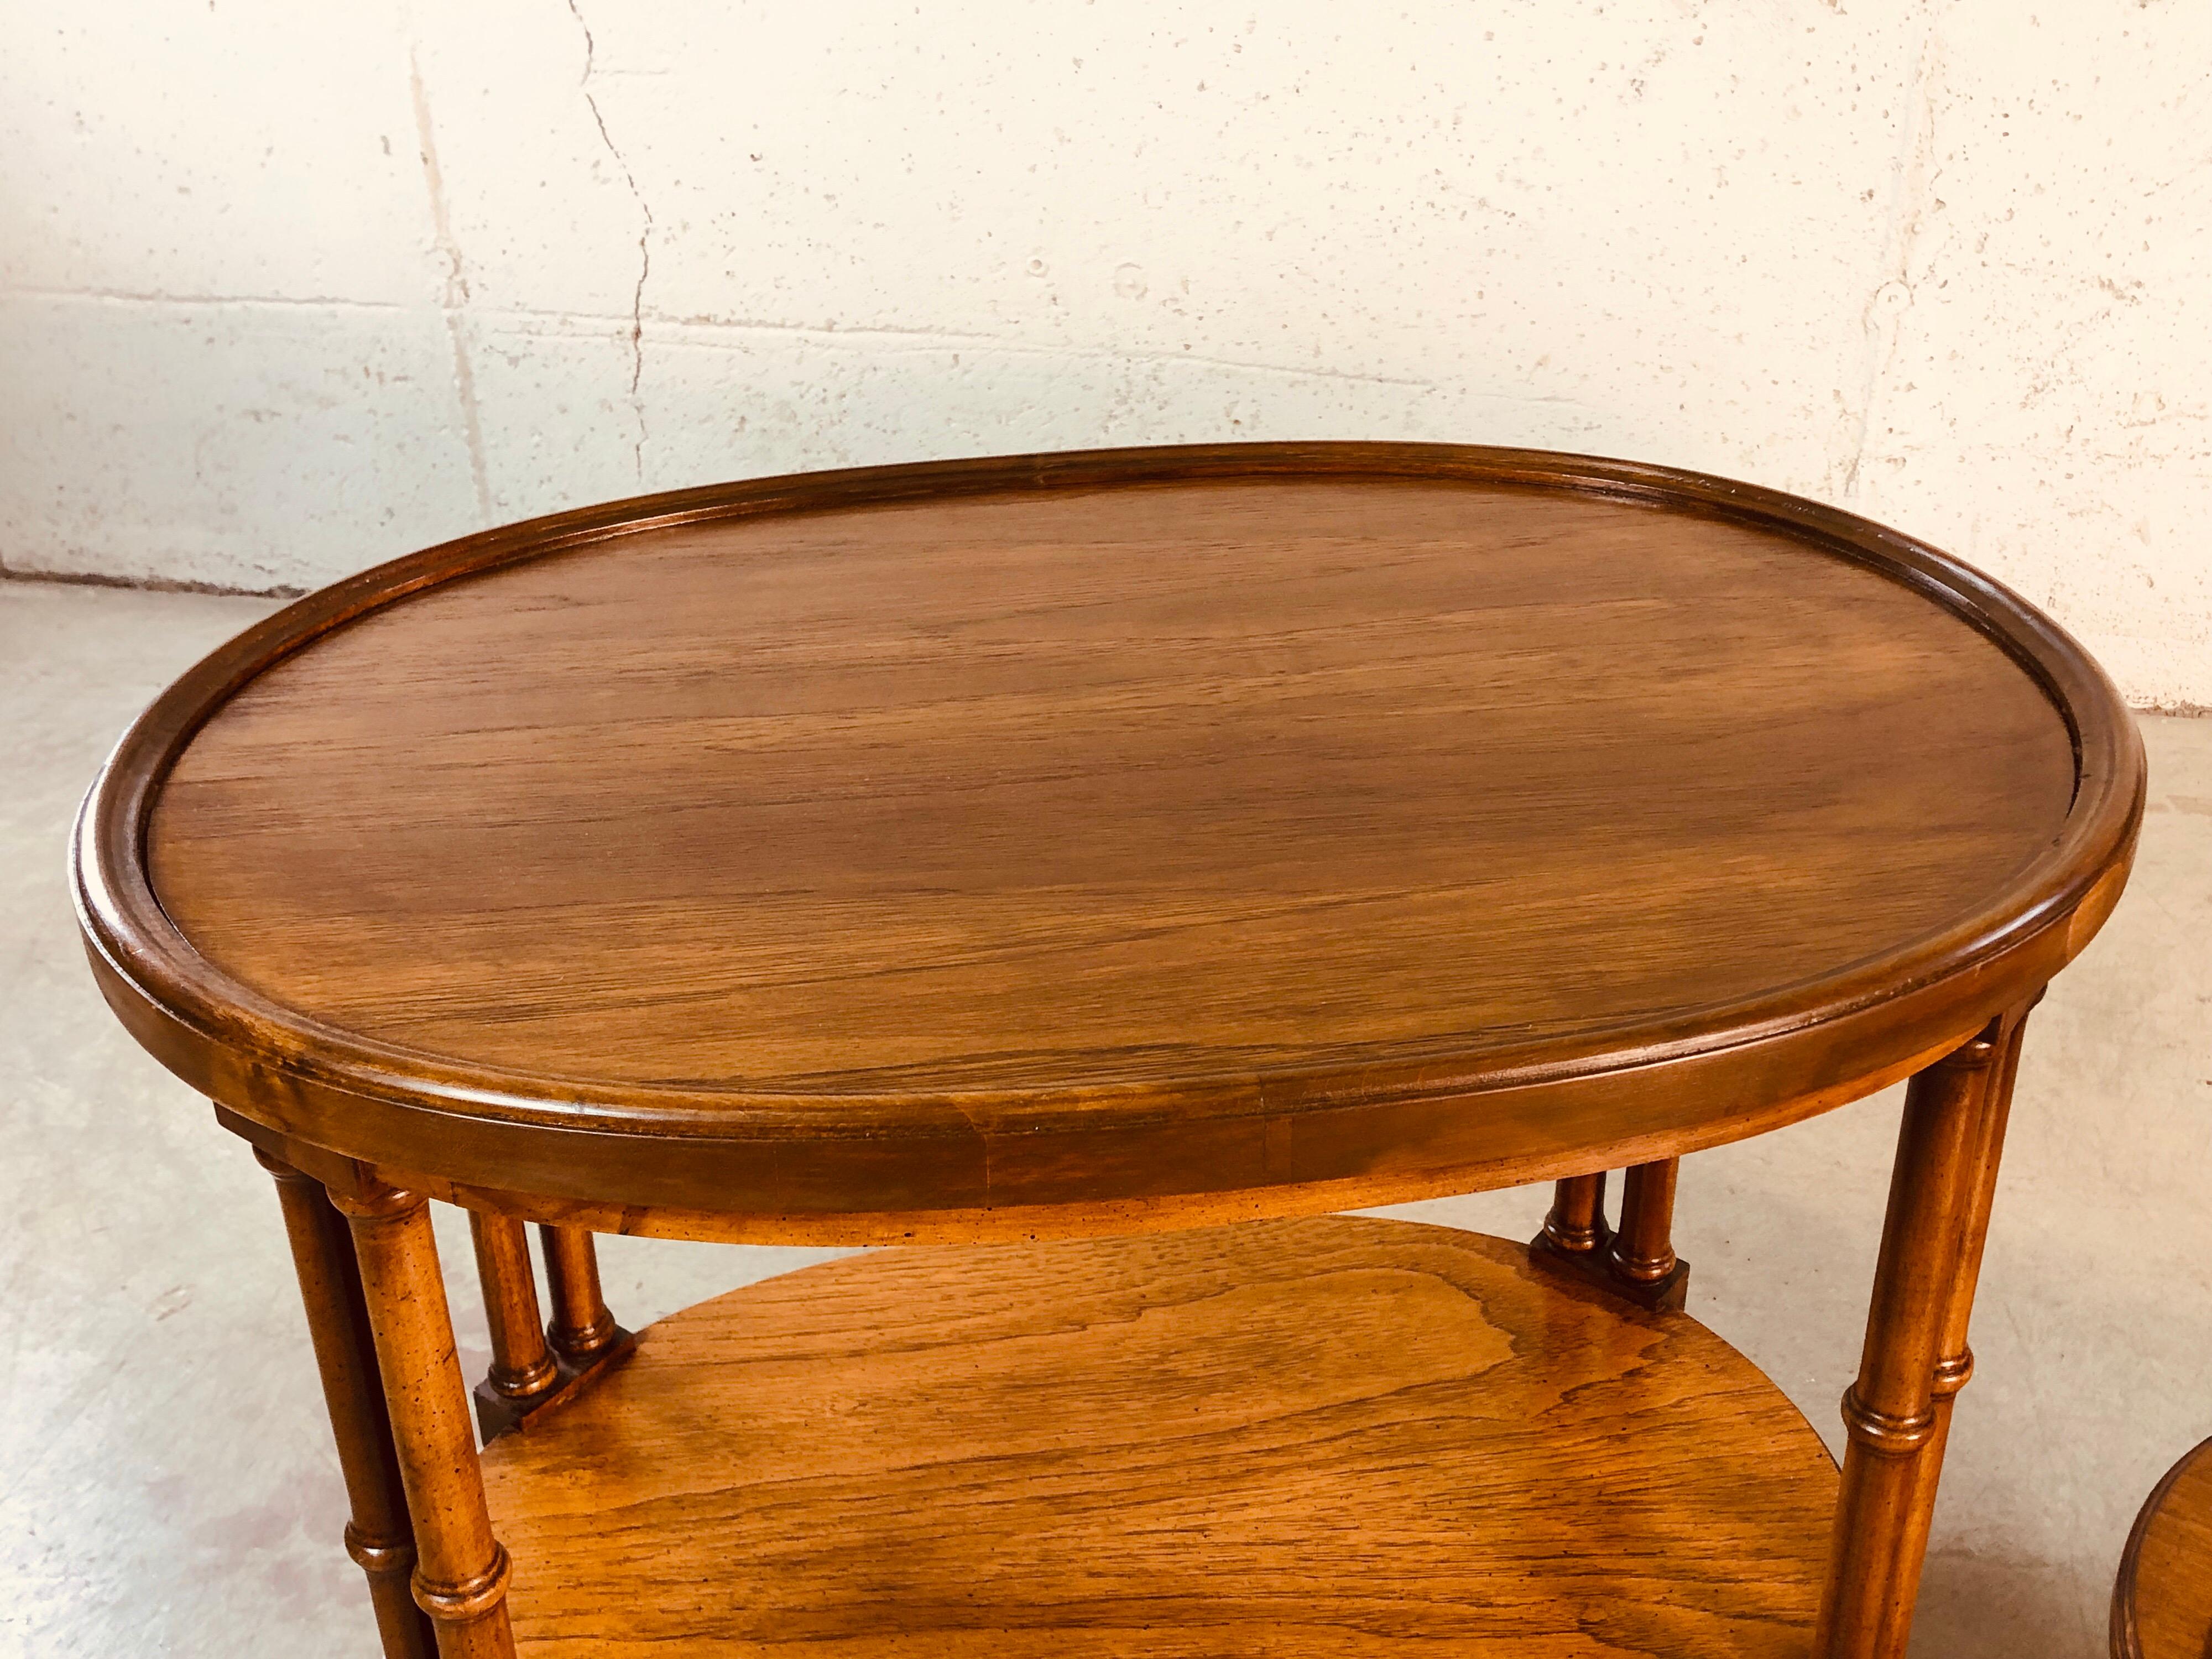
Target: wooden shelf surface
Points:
(1342, 1436)
(2162, 1605)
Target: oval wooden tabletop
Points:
(1114, 830)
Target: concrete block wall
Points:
(286, 290)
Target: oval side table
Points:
(1092, 871)
(2162, 1599)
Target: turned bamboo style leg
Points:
(1641, 1256)
(1638, 1261)
(524, 1373)
(1955, 1363)
(582, 1327)
(1915, 1359)
(1574, 1227)
(460, 1569)
(378, 1535)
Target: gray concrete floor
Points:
(166, 1480)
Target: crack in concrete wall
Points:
(481, 316)
(454, 300)
(157, 297)
(1847, 253)
(1911, 192)
(644, 241)
(149, 584)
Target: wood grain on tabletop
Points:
(1034, 792)
(1336, 1437)
(1076, 843)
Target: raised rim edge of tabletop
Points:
(288, 1071)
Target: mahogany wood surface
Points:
(2162, 1602)
(1339, 1437)
(1085, 842)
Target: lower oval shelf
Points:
(1342, 1436)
